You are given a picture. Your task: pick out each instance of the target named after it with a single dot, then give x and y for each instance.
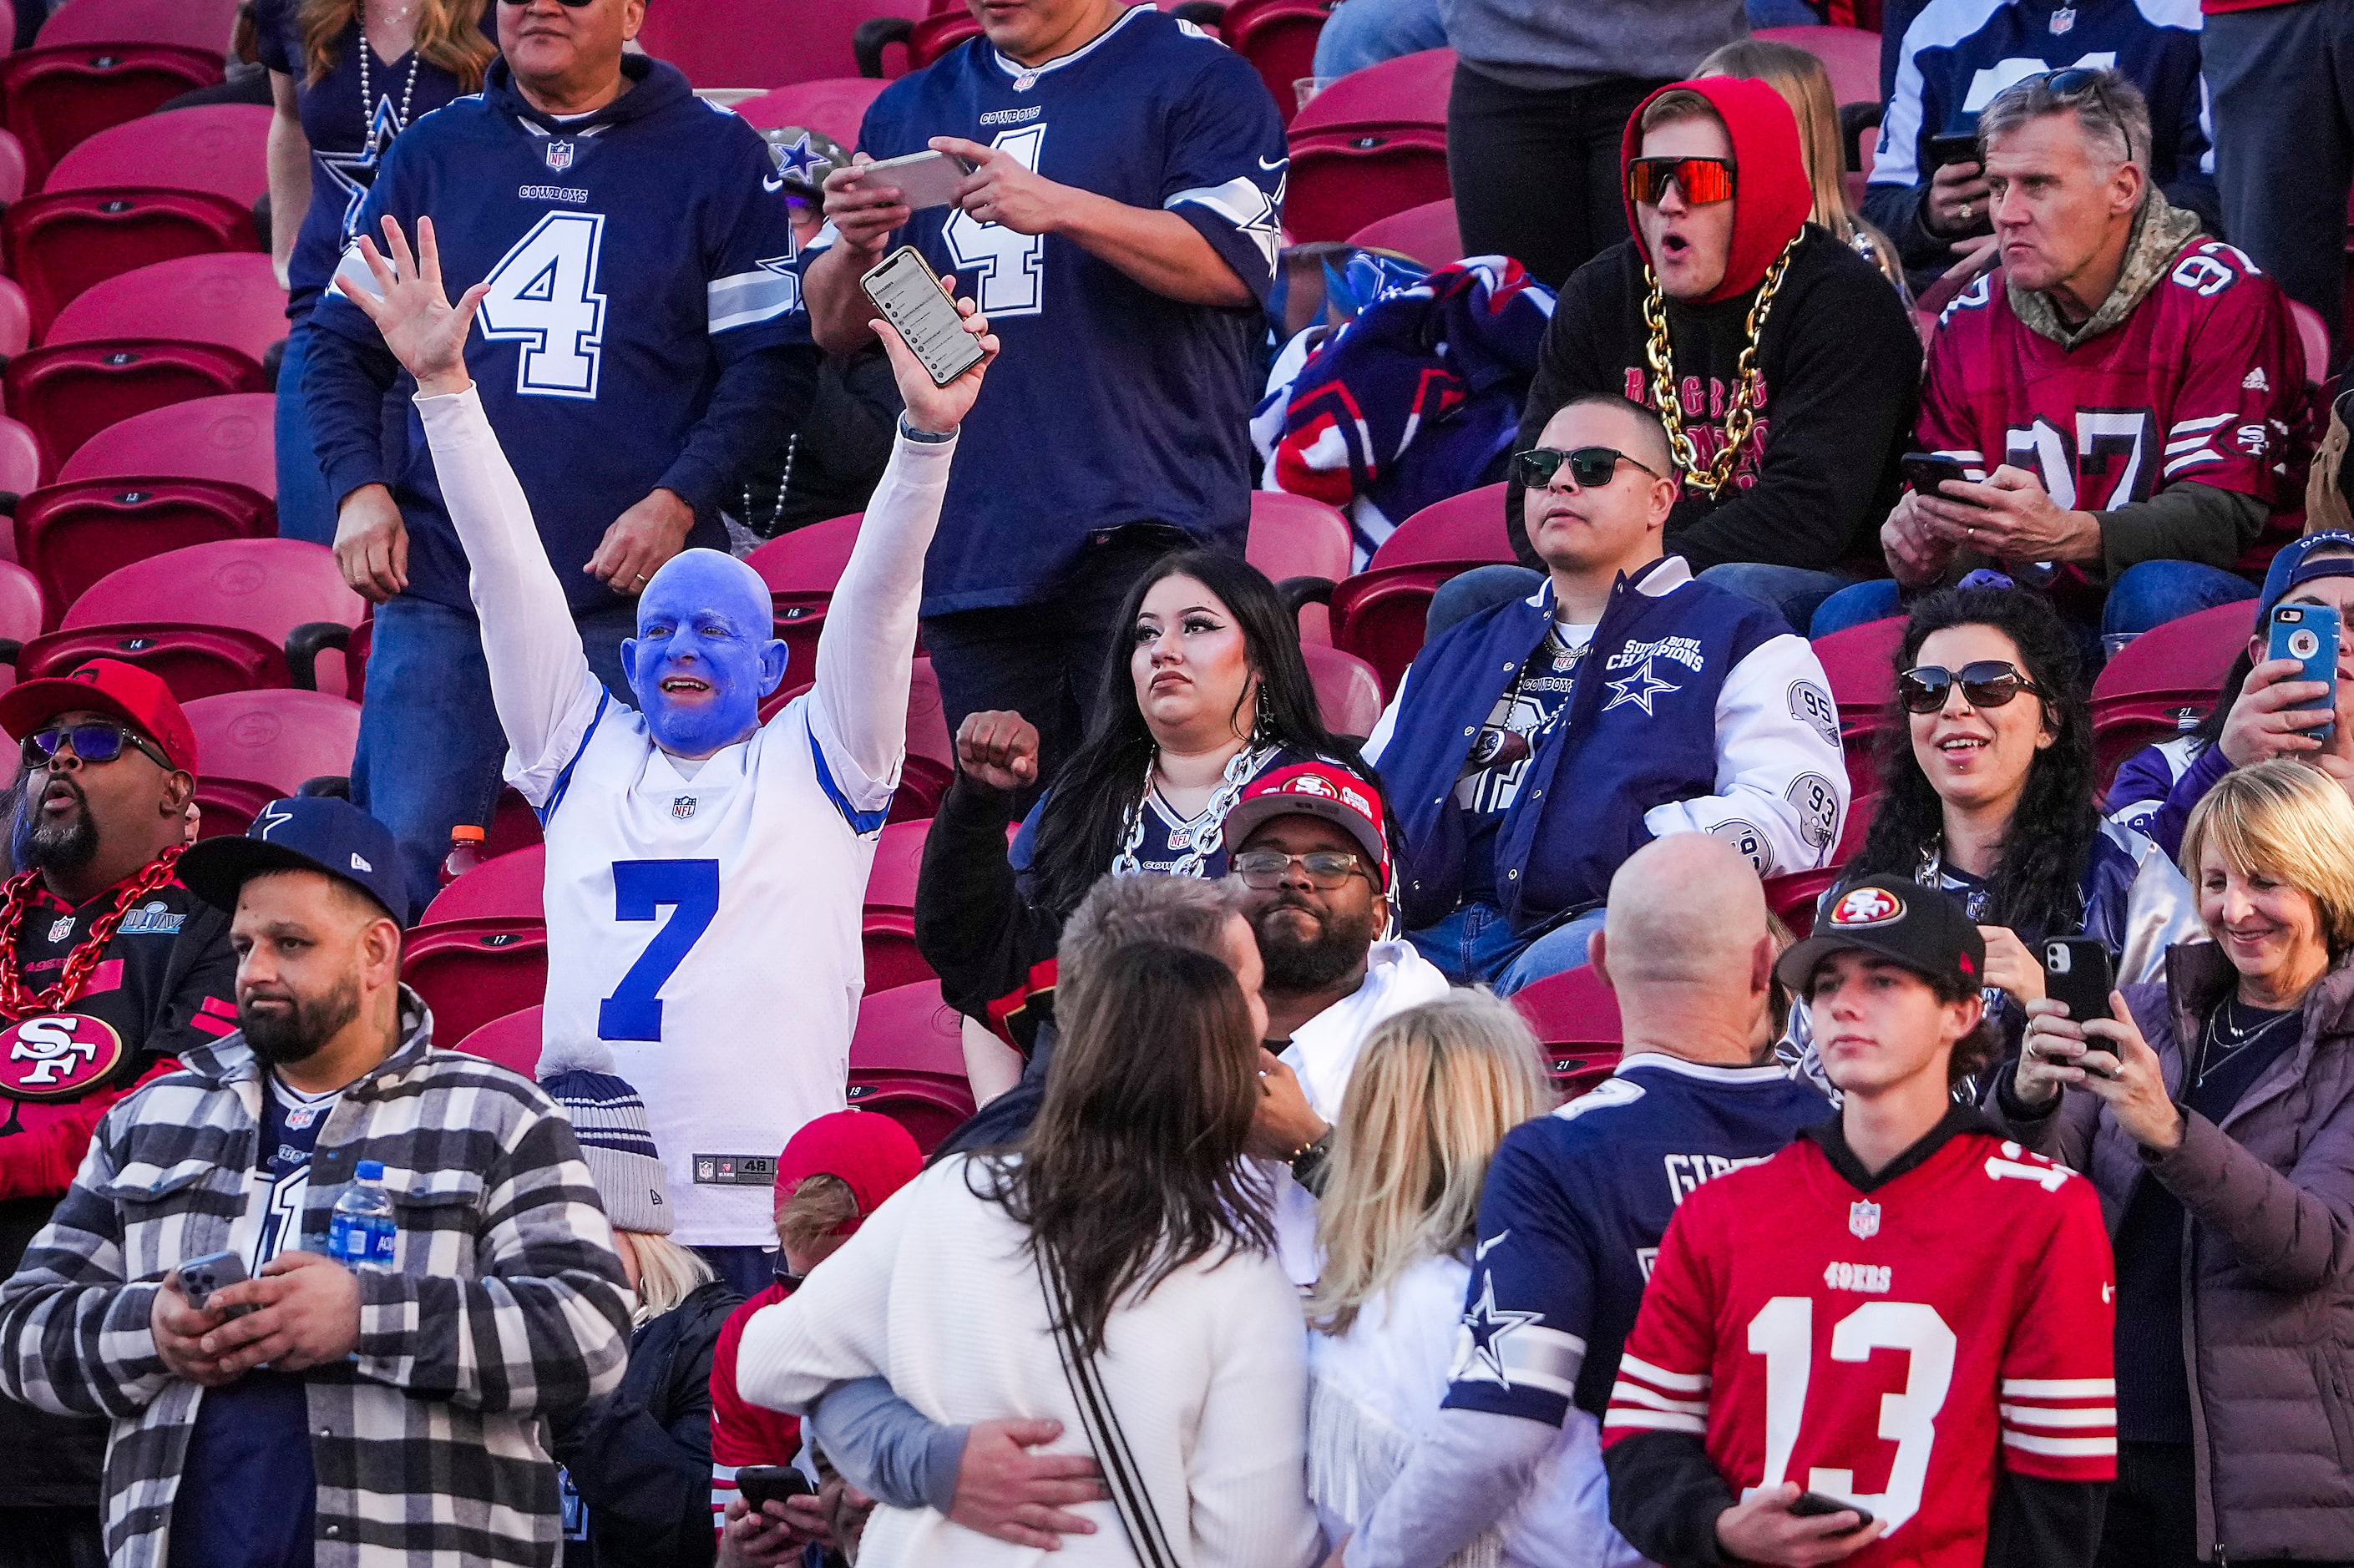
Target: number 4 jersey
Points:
(1892, 1342)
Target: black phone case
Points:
(771, 1483)
(2084, 985)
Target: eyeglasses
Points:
(1703, 180)
(1326, 869)
(91, 742)
(568, 4)
(1986, 684)
(1591, 467)
(2076, 79)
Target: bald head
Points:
(1685, 946)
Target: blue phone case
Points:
(2308, 634)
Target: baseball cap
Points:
(1322, 790)
(874, 1155)
(804, 156)
(108, 686)
(303, 834)
(1925, 929)
(2295, 566)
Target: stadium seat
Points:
(1860, 664)
(1793, 898)
(2313, 336)
(472, 971)
(511, 886)
(1462, 530)
(217, 148)
(1298, 536)
(213, 617)
(907, 1061)
(936, 35)
(193, 24)
(511, 1042)
(801, 568)
(70, 535)
(21, 614)
(930, 767)
(1426, 234)
(1576, 1018)
(20, 465)
(1378, 615)
(258, 746)
(230, 299)
(15, 315)
(60, 243)
(57, 96)
(1278, 38)
(888, 930)
(1372, 144)
(763, 43)
(1850, 55)
(2163, 682)
(12, 163)
(1348, 691)
(69, 392)
(836, 105)
(228, 439)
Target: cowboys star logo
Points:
(1638, 688)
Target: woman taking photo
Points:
(1122, 1247)
(1987, 792)
(348, 76)
(2215, 1113)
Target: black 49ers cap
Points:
(1890, 918)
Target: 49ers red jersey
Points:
(2203, 382)
(1890, 1347)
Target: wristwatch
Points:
(1307, 1162)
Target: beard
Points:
(1294, 965)
(60, 844)
(281, 1037)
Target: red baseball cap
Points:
(1324, 789)
(108, 686)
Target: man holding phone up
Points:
(1122, 216)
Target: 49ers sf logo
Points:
(57, 1055)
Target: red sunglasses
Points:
(1703, 180)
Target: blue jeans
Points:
(1367, 32)
(2150, 594)
(1465, 594)
(1793, 592)
(305, 510)
(1477, 944)
(431, 750)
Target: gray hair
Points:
(2111, 111)
(1118, 911)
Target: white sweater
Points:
(937, 1293)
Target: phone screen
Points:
(905, 290)
(2308, 634)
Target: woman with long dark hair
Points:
(1986, 791)
(1121, 1245)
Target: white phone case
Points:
(924, 179)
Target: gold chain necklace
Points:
(1741, 414)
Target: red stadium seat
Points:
(1860, 662)
(193, 24)
(907, 1061)
(2163, 682)
(511, 1042)
(61, 242)
(1348, 689)
(1793, 896)
(472, 971)
(1278, 38)
(20, 464)
(1466, 529)
(801, 568)
(16, 316)
(1850, 55)
(217, 148)
(1426, 234)
(1378, 615)
(1298, 536)
(12, 163)
(888, 928)
(511, 886)
(69, 392)
(1411, 90)
(937, 34)
(2313, 336)
(836, 105)
(930, 767)
(229, 298)
(228, 439)
(763, 43)
(254, 748)
(1373, 143)
(20, 613)
(1576, 1018)
(70, 535)
(57, 96)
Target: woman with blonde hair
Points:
(1435, 1091)
(2215, 1114)
(1806, 86)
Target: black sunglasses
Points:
(1327, 869)
(1986, 684)
(91, 742)
(2073, 79)
(1591, 467)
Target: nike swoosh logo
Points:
(1270, 168)
(773, 184)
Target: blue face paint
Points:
(703, 655)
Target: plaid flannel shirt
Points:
(507, 1304)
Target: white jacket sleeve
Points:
(540, 681)
(1248, 1470)
(836, 1327)
(2161, 910)
(1781, 783)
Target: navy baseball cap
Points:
(303, 833)
(2295, 566)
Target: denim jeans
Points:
(1367, 32)
(2150, 594)
(1468, 593)
(1794, 592)
(305, 510)
(1476, 945)
(431, 750)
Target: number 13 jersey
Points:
(1892, 1345)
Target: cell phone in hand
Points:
(906, 291)
(1925, 472)
(2308, 634)
(922, 179)
(2077, 971)
(1953, 147)
(1815, 1505)
(200, 1276)
(771, 1483)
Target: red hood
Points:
(1771, 202)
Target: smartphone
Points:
(200, 1276)
(1953, 147)
(2308, 634)
(2076, 970)
(923, 179)
(771, 1483)
(1925, 473)
(908, 292)
(1814, 1505)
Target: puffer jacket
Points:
(2268, 1276)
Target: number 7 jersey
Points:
(1893, 1346)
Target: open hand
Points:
(998, 749)
(1764, 1530)
(307, 1313)
(424, 331)
(1008, 1493)
(938, 410)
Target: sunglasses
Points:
(91, 742)
(1591, 467)
(2076, 79)
(1326, 869)
(1703, 180)
(568, 4)
(1986, 684)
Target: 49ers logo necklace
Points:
(16, 998)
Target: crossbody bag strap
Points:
(1121, 1474)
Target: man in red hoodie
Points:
(1783, 364)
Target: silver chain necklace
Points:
(1240, 769)
(367, 89)
(2231, 1037)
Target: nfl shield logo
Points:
(560, 155)
(1863, 1219)
(64, 928)
(682, 806)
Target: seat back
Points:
(764, 43)
(907, 1061)
(15, 312)
(1572, 1010)
(511, 1042)
(12, 161)
(1859, 663)
(1278, 38)
(930, 765)
(279, 738)
(1348, 689)
(837, 105)
(1343, 180)
(2313, 336)
(1851, 57)
(898, 859)
(227, 297)
(1381, 615)
(193, 24)
(265, 586)
(194, 661)
(217, 148)
(70, 392)
(20, 612)
(20, 461)
(1465, 528)
(1411, 90)
(61, 242)
(472, 971)
(511, 886)
(54, 98)
(1426, 234)
(229, 438)
(808, 561)
(2163, 682)
(70, 535)
(1298, 536)
(939, 33)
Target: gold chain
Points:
(1741, 415)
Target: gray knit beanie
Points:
(609, 1120)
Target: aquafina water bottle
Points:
(362, 1231)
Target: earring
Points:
(1266, 722)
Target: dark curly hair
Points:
(2036, 885)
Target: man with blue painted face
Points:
(704, 869)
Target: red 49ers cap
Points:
(1925, 929)
(107, 686)
(1322, 790)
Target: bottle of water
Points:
(362, 1232)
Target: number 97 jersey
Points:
(1890, 1345)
